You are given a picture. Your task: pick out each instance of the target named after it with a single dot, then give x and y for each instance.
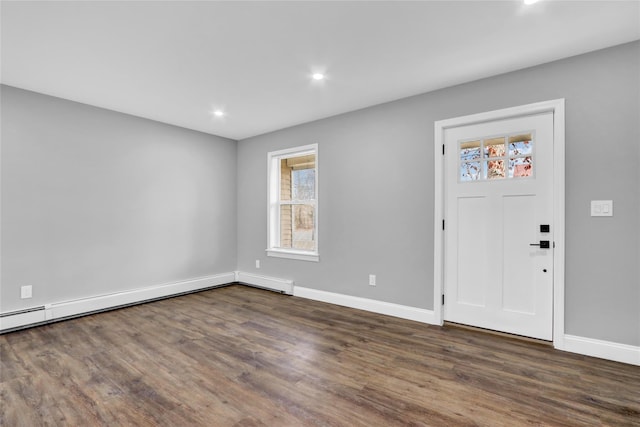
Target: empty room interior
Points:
(320, 213)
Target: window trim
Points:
(273, 199)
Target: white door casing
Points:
(484, 265)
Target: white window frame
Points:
(273, 204)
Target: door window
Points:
(494, 158)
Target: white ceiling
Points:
(176, 61)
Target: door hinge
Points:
(442, 299)
(443, 149)
(443, 224)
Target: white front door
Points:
(498, 196)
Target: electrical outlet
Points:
(257, 263)
(26, 292)
(372, 280)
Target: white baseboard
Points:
(81, 306)
(603, 349)
(273, 283)
(375, 306)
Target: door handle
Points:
(544, 244)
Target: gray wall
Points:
(96, 202)
(376, 187)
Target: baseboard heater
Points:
(264, 288)
(26, 310)
(58, 311)
(22, 319)
(19, 319)
(283, 286)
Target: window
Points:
(293, 203)
(485, 159)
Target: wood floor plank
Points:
(245, 357)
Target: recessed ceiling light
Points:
(318, 76)
(530, 1)
(218, 113)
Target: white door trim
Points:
(555, 106)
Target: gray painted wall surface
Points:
(96, 202)
(376, 187)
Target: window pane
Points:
(495, 169)
(520, 144)
(470, 171)
(303, 184)
(494, 147)
(303, 228)
(522, 166)
(297, 227)
(469, 151)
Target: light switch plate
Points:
(602, 208)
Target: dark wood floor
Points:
(239, 356)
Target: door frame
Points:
(556, 107)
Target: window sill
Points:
(293, 254)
